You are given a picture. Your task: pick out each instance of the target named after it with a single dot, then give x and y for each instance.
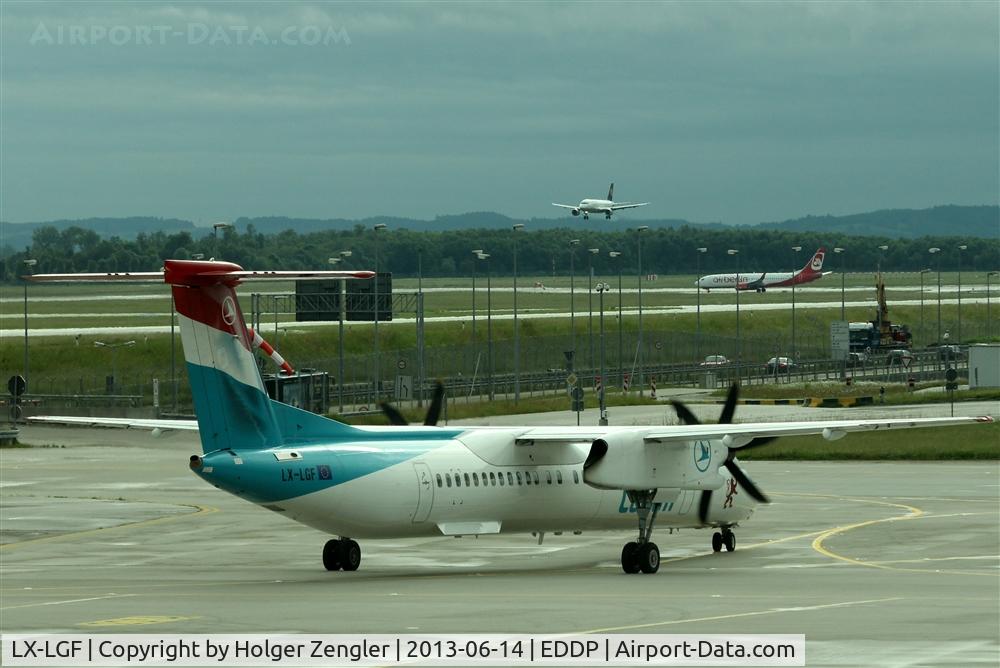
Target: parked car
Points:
(899, 357)
(779, 365)
(715, 360)
(950, 352)
(856, 359)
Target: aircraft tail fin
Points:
(814, 267)
(611, 193)
(231, 404)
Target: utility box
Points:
(308, 390)
(708, 381)
(984, 365)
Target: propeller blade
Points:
(703, 503)
(395, 417)
(684, 413)
(434, 411)
(745, 482)
(726, 417)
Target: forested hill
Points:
(957, 221)
(968, 221)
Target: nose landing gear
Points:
(642, 554)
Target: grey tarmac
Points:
(890, 564)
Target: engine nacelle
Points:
(626, 461)
(575, 212)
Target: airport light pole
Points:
(29, 267)
(517, 346)
(341, 316)
(573, 243)
(603, 420)
(739, 341)
(935, 251)
(881, 251)
(477, 252)
(616, 255)
(215, 231)
(590, 303)
(795, 263)
(697, 291)
(960, 249)
(642, 361)
(989, 323)
(922, 272)
(113, 347)
(378, 369)
(489, 321)
(838, 251)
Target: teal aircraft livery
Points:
(400, 480)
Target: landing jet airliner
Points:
(605, 206)
(762, 281)
(398, 481)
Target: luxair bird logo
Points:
(817, 262)
(702, 455)
(229, 311)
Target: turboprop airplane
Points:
(399, 481)
(762, 281)
(605, 206)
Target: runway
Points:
(876, 563)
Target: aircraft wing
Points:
(565, 206)
(627, 205)
(120, 423)
(739, 434)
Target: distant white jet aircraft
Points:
(762, 281)
(605, 206)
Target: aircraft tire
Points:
(649, 558)
(332, 555)
(630, 558)
(352, 555)
(729, 538)
(717, 542)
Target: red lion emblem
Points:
(730, 493)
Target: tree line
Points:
(407, 253)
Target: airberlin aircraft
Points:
(762, 281)
(397, 481)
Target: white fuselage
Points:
(452, 490)
(595, 206)
(745, 280)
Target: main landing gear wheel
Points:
(717, 542)
(341, 554)
(729, 540)
(630, 558)
(649, 557)
(642, 554)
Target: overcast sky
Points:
(712, 111)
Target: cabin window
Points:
(493, 479)
(534, 477)
(447, 479)
(475, 479)
(439, 480)
(468, 481)
(559, 477)
(519, 478)
(458, 480)
(510, 478)
(576, 478)
(548, 477)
